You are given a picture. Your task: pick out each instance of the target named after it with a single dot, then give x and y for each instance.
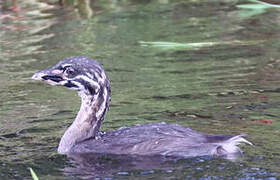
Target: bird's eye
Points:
(69, 71)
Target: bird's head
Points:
(82, 74)
(86, 76)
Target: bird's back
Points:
(161, 139)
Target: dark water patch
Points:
(22, 132)
(126, 102)
(186, 114)
(256, 107)
(62, 112)
(236, 116)
(199, 95)
(119, 70)
(40, 120)
(271, 115)
(12, 135)
(149, 118)
(277, 90)
(122, 103)
(179, 96)
(204, 69)
(34, 130)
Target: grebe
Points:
(87, 76)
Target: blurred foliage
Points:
(193, 46)
(255, 8)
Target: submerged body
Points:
(88, 78)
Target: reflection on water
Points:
(119, 166)
(224, 88)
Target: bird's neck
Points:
(86, 124)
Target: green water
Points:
(229, 85)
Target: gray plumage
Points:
(88, 78)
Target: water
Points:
(228, 86)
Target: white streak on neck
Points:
(103, 104)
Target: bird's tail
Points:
(230, 146)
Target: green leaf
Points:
(192, 46)
(34, 176)
(265, 3)
(174, 45)
(258, 7)
(252, 6)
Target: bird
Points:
(88, 78)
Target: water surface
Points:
(228, 86)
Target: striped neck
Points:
(88, 120)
